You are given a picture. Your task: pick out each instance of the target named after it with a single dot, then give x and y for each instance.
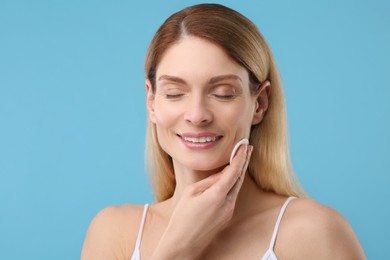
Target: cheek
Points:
(238, 119)
(164, 114)
(166, 120)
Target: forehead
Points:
(196, 59)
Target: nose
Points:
(198, 112)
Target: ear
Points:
(150, 100)
(261, 106)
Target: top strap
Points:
(141, 228)
(276, 229)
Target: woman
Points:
(212, 81)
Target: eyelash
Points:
(226, 97)
(173, 96)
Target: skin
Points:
(217, 211)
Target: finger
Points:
(204, 184)
(233, 193)
(232, 172)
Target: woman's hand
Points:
(203, 210)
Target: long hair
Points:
(270, 164)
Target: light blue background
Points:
(72, 112)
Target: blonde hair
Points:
(270, 165)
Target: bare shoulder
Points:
(112, 232)
(310, 230)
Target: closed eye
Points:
(172, 92)
(224, 96)
(173, 96)
(224, 92)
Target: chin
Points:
(207, 167)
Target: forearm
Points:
(168, 249)
(165, 252)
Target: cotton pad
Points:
(242, 141)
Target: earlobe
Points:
(150, 100)
(261, 106)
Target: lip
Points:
(199, 146)
(198, 135)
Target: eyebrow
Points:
(173, 79)
(217, 79)
(213, 80)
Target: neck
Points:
(185, 177)
(249, 192)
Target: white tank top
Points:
(269, 254)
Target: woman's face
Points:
(202, 105)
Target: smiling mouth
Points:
(200, 140)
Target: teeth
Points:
(200, 139)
